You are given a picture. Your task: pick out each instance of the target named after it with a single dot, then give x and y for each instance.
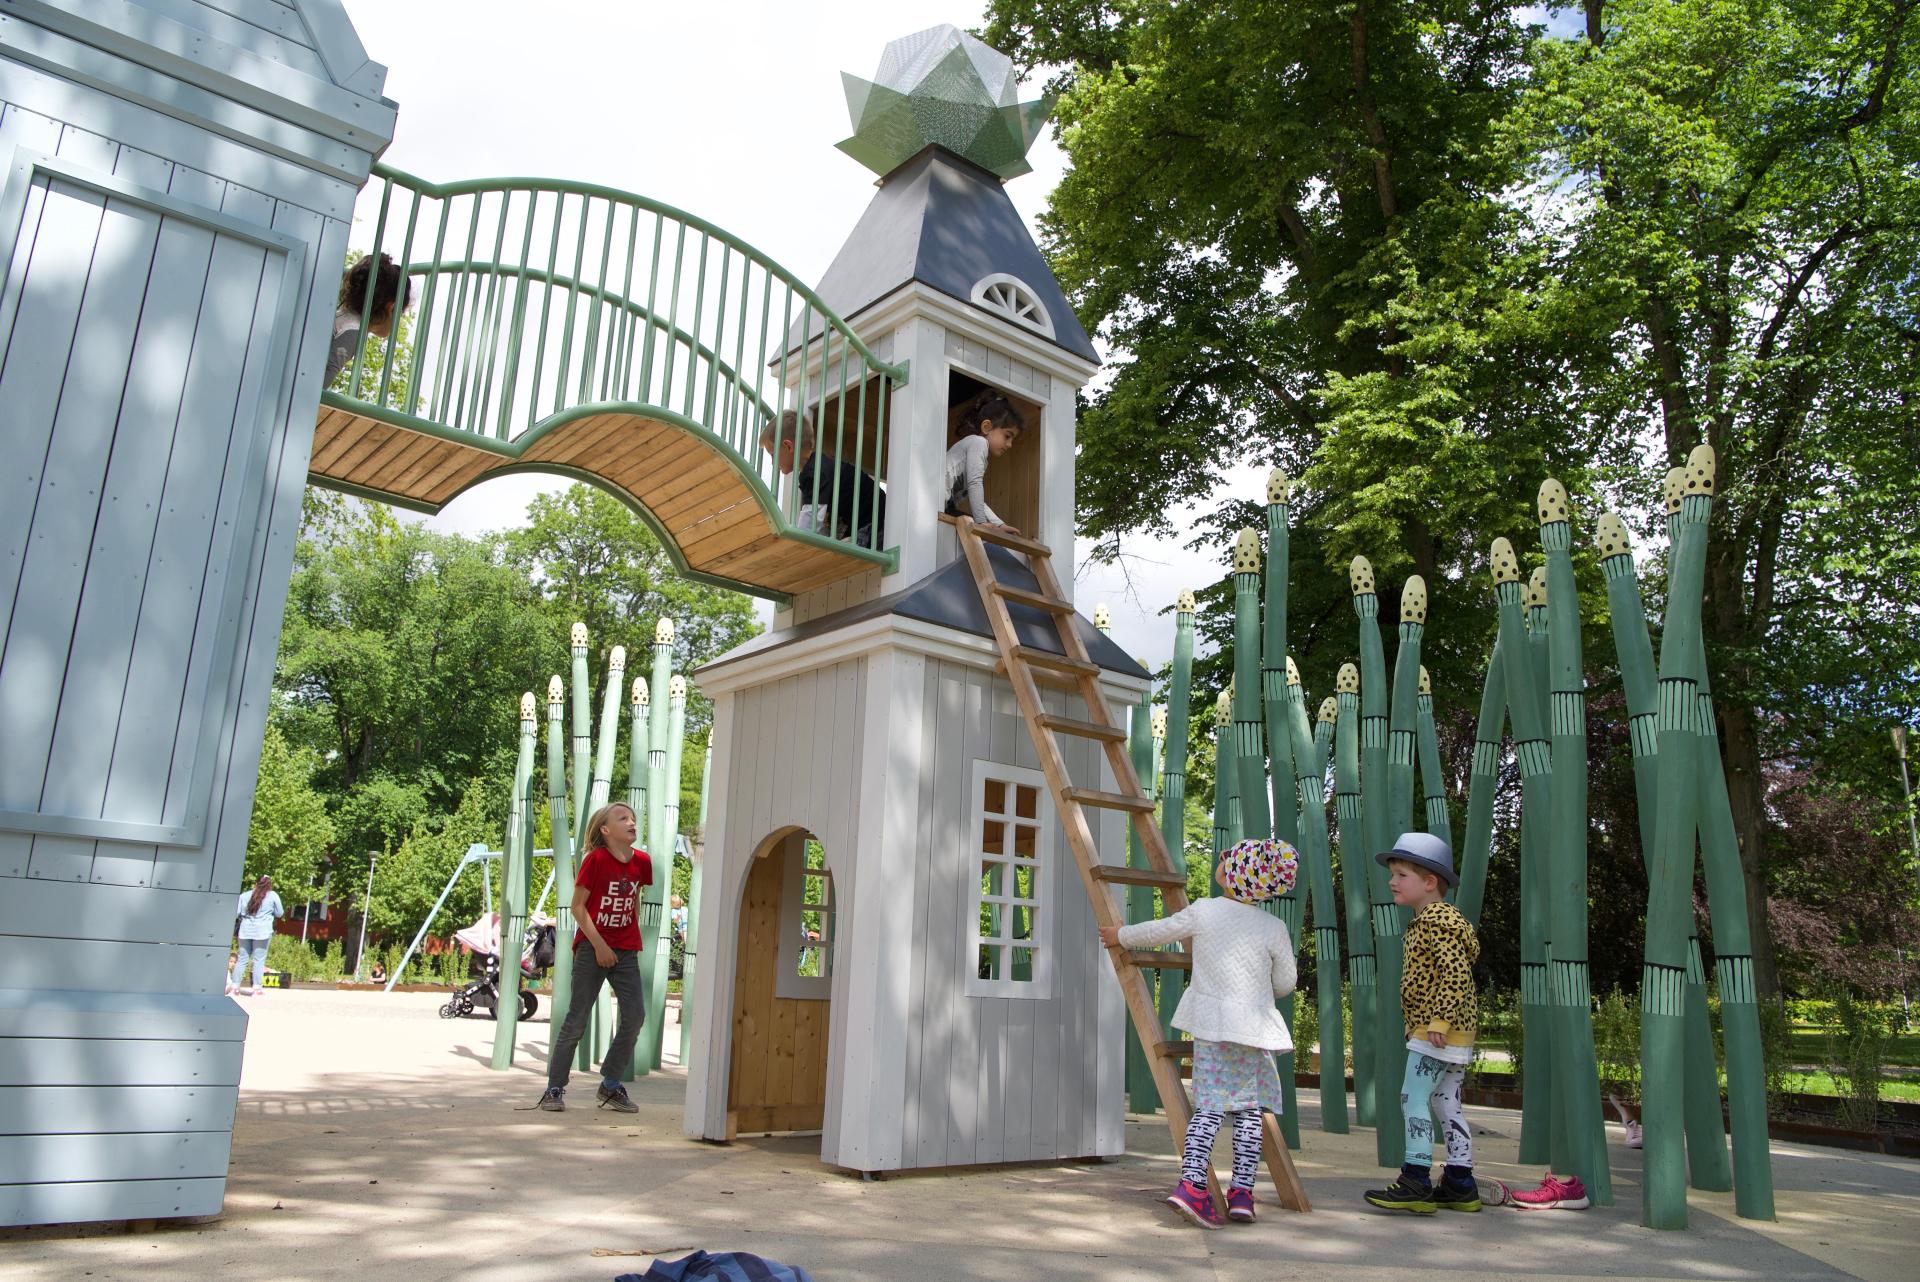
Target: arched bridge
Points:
(578, 330)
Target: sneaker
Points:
(1634, 1135)
(555, 1100)
(257, 990)
(1448, 1196)
(1240, 1205)
(1194, 1202)
(1553, 1194)
(615, 1098)
(1403, 1195)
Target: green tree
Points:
(290, 832)
(1733, 186)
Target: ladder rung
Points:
(1160, 959)
(1124, 876)
(1018, 542)
(1051, 604)
(1110, 800)
(1085, 729)
(1058, 662)
(1176, 1050)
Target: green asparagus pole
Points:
(1732, 940)
(676, 746)
(1311, 788)
(595, 796)
(582, 732)
(1376, 790)
(1354, 858)
(1535, 756)
(1173, 791)
(1142, 1097)
(1670, 882)
(1323, 733)
(1707, 1164)
(558, 818)
(689, 952)
(1478, 849)
(1569, 980)
(1249, 730)
(641, 719)
(1226, 783)
(518, 871)
(1273, 664)
(1433, 784)
(653, 962)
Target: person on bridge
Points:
(989, 428)
(392, 294)
(837, 498)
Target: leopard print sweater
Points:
(1436, 986)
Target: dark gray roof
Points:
(945, 222)
(949, 597)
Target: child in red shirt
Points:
(606, 947)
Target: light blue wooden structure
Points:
(178, 187)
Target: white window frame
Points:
(1045, 884)
(787, 981)
(1013, 298)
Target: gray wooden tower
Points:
(895, 947)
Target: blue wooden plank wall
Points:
(167, 269)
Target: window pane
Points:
(1025, 840)
(995, 801)
(1023, 882)
(989, 964)
(1027, 801)
(1021, 919)
(1023, 964)
(993, 837)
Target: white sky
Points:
(729, 110)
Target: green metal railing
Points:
(533, 299)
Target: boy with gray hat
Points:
(1442, 1013)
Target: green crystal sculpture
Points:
(941, 87)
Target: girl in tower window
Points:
(990, 427)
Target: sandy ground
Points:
(373, 1143)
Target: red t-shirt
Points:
(613, 895)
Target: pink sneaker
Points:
(1240, 1205)
(1553, 1194)
(1194, 1202)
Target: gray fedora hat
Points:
(1423, 850)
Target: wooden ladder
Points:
(1074, 670)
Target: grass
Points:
(1811, 1046)
(1818, 1083)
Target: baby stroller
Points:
(483, 940)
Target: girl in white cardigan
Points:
(1242, 961)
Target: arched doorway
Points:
(782, 989)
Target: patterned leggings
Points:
(1430, 1097)
(1204, 1129)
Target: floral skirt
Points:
(1229, 1077)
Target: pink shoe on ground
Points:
(1554, 1194)
(1240, 1205)
(258, 991)
(1194, 1202)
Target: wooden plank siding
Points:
(698, 495)
(164, 316)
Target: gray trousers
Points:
(628, 992)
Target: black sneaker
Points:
(554, 1101)
(615, 1098)
(1449, 1196)
(1404, 1195)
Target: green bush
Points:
(1616, 1044)
(1306, 1026)
(332, 963)
(1857, 1053)
(1776, 1053)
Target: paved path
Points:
(374, 1145)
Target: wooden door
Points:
(777, 1077)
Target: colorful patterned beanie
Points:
(1258, 869)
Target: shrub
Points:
(1776, 1053)
(1857, 1051)
(1616, 1044)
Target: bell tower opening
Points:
(1013, 480)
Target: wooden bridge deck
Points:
(697, 495)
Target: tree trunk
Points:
(1747, 791)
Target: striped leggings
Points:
(1204, 1129)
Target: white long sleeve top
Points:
(1242, 961)
(965, 473)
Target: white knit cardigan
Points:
(1242, 960)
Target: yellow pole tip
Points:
(641, 694)
(1426, 682)
(1537, 587)
(1360, 576)
(1279, 486)
(1293, 672)
(1102, 617)
(1347, 680)
(663, 632)
(1553, 502)
(1183, 604)
(677, 688)
(1612, 536)
(1700, 470)
(1673, 487)
(579, 634)
(1246, 552)
(556, 689)
(617, 661)
(1159, 723)
(1506, 566)
(528, 704)
(1413, 600)
(1329, 709)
